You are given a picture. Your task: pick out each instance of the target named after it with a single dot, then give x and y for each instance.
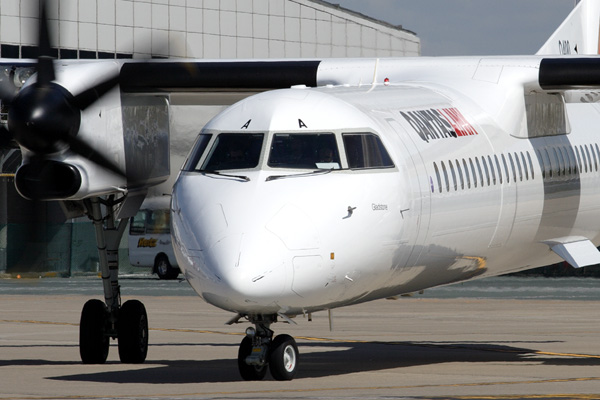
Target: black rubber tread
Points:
(132, 329)
(93, 339)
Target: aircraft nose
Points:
(250, 272)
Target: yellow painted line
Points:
(340, 341)
(371, 388)
(25, 321)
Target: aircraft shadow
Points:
(331, 359)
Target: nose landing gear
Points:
(259, 350)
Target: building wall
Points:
(201, 29)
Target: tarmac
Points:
(409, 348)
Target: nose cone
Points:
(226, 251)
(250, 270)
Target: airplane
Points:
(333, 182)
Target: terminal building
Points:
(36, 237)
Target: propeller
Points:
(44, 117)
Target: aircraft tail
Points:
(578, 34)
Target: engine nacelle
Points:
(69, 178)
(47, 179)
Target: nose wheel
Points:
(259, 352)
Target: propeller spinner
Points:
(45, 118)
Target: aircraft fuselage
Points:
(466, 191)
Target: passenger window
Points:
(595, 159)
(542, 163)
(587, 151)
(474, 173)
(512, 166)
(519, 167)
(530, 165)
(467, 173)
(234, 151)
(445, 176)
(550, 164)
(460, 175)
(191, 163)
(492, 172)
(365, 150)
(437, 175)
(585, 162)
(304, 151)
(565, 157)
(485, 168)
(572, 160)
(525, 166)
(479, 169)
(454, 181)
(498, 168)
(579, 160)
(506, 169)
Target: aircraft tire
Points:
(93, 338)
(132, 329)
(249, 372)
(283, 358)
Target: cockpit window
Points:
(234, 151)
(365, 150)
(304, 151)
(196, 154)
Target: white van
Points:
(150, 239)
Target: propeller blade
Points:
(89, 96)
(83, 149)
(5, 137)
(45, 67)
(8, 90)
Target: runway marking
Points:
(369, 388)
(330, 340)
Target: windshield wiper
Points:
(242, 177)
(304, 174)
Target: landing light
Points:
(250, 332)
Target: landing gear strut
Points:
(101, 321)
(259, 351)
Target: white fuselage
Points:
(469, 193)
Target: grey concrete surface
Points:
(459, 348)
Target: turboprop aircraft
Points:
(342, 181)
